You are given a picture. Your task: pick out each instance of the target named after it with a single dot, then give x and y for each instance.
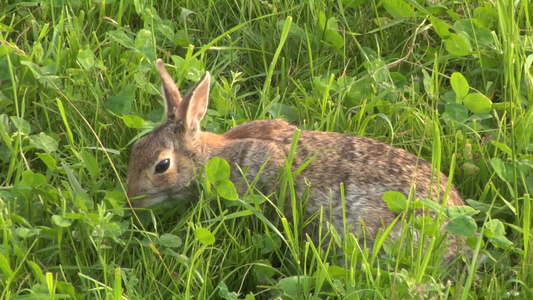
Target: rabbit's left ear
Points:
(194, 105)
(170, 91)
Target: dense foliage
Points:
(448, 80)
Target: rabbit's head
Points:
(162, 162)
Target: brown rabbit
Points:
(165, 162)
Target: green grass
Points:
(448, 80)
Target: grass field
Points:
(450, 81)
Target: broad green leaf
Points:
(494, 228)
(48, 160)
(182, 39)
(110, 230)
(338, 272)
(501, 169)
(25, 233)
(83, 202)
(361, 89)
(117, 199)
(75, 216)
(454, 212)
(477, 103)
(396, 201)
(263, 268)
(167, 31)
(296, 285)
(457, 111)
(267, 244)
(86, 59)
(332, 35)
(455, 16)
(204, 236)
(472, 242)
(398, 78)
(378, 68)
(431, 205)
(185, 13)
(170, 240)
(31, 180)
(224, 293)
(43, 75)
(120, 104)
(417, 204)
(226, 190)
(6, 268)
(133, 121)
(60, 221)
(322, 19)
(5, 154)
(503, 147)
(139, 6)
(43, 142)
(486, 16)
(90, 163)
(19, 220)
(217, 169)
(353, 3)
(295, 32)
(463, 226)
(466, 26)
(484, 36)
(65, 288)
(255, 199)
(72, 179)
(5, 28)
(21, 125)
(122, 38)
(459, 85)
(288, 112)
(115, 196)
(321, 83)
(334, 39)
(144, 43)
(495, 231)
(220, 99)
(501, 241)
(399, 8)
(478, 205)
(457, 45)
(528, 62)
(425, 224)
(442, 29)
(37, 271)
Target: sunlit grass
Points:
(78, 86)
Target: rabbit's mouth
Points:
(149, 200)
(160, 197)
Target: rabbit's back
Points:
(367, 169)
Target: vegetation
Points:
(448, 80)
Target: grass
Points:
(448, 80)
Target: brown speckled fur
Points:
(367, 167)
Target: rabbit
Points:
(165, 162)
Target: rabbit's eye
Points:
(162, 165)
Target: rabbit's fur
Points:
(367, 167)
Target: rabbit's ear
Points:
(194, 105)
(170, 91)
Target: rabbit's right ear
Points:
(194, 105)
(170, 91)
